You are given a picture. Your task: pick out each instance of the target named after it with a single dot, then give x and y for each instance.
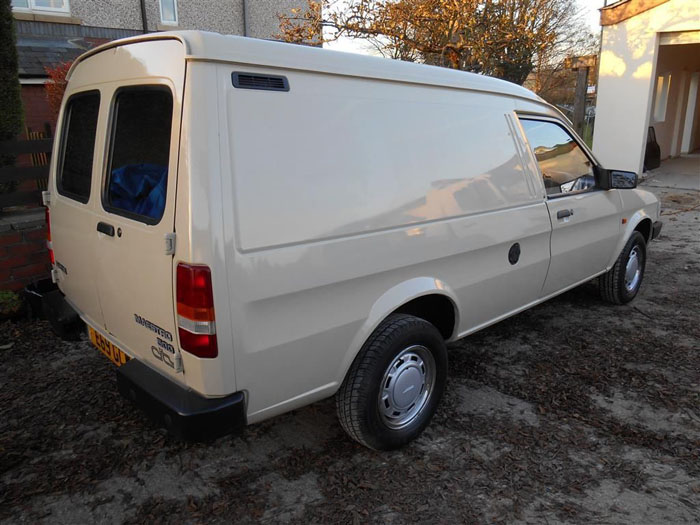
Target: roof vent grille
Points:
(256, 81)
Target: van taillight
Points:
(48, 237)
(195, 310)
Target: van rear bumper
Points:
(184, 413)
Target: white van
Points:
(247, 227)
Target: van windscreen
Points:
(138, 167)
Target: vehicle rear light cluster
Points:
(48, 236)
(195, 310)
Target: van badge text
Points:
(153, 327)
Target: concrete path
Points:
(679, 173)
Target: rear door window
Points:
(78, 148)
(140, 151)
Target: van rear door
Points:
(72, 204)
(135, 233)
(130, 229)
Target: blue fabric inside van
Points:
(140, 189)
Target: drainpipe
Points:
(245, 18)
(144, 20)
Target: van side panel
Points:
(338, 195)
(201, 212)
(360, 161)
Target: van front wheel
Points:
(621, 284)
(395, 383)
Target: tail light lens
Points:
(48, 236)
(195, 310)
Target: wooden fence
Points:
(16, 188)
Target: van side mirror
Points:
(623, 180)
(617, 179)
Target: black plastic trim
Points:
(656, 229)
(514, 254)
(242, 80)
(186, 414)
(48, 301)
(105, 228)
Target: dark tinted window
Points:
(564, 166)
(138, 168)
(79, 126)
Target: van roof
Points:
(203, 45)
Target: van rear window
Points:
(79, 126)
(138, 166)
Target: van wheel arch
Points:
(644, 227)
(437, 309)
(424, 297)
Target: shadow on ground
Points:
(574, 411)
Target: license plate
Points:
(113, 352)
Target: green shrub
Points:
(11, 115)
(10, 304)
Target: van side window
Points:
(79, 127)
(138, 165)
(564, 166)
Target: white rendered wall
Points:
(678, 62)
(627, 77)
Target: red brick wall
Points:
(23, 254)
(36, 108)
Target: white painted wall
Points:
(679, 62)
(627, 77)
(691, 132)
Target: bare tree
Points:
(502, 38)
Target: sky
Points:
(589, 10)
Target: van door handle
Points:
(105, 228)
(562, 214)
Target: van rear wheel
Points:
(395, 383)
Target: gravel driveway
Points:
(575, 411)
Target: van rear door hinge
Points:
(45, 198)
(170, 244)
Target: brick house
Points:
(54, 31)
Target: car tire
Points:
(395, 384)
(621, 284)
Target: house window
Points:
(663, 86)
(53, 6)
(168, 12)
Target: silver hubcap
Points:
(407, 386)
(633, 270)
